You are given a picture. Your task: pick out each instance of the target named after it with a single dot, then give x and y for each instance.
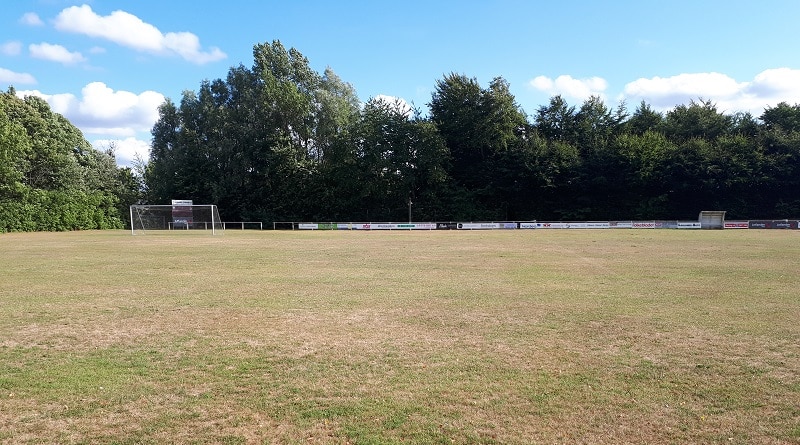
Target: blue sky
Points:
(106, 65)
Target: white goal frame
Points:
(145, 217)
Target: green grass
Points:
(501, 337)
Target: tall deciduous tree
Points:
(696, 120)
(253, 143)
(481, 127)
(644, 119)
(50, 176)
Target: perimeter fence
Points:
(786, 224)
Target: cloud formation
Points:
(13, 78)
(398, 103)
(31, 19)
(55, 53)
(570, 87)
(103, 111)
(127, 151)
(127, 30)
(13, 48)
(766, 89)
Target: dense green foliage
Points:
(50, 176)
(279, 141)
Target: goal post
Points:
(148, 218)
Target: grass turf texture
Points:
(509, 337)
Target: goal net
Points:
(146, 218)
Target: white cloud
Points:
(402, 105)
(683, 88)
(31, 19)
(570, 87)
(55, 53)
(768, 88)
(779, 82)
(12, 48)
(128, 30)
(127, 150)
(11, 77)
(103, 111)
(730, 95)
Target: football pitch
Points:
(485, 337)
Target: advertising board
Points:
(182, 214)
(620, 224)
(737, 225)
(479, 226)
(773, 224)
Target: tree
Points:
(456, 110)
(336, 111)
(644, 119)
(783, 117)
(557, 121)
(50, 176)
(596, 125)
(780, 142)
(254, 142)
(480, 127)
(697, 120)
(394, 158)
(14, 152)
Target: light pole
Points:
(409, 210)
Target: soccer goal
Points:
(147, 218)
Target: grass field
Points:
(507, 337)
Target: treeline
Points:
(51, 179)
(279, 142)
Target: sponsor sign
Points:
(508, 225)
(644, 225)
(305, 226)
(478, 226)
(551, 225)
(574, 225)
(425, 226)
(395, 226)
(447, 226)
(737, 225)
(774, 224)
(182, 216)
(620, 224)
(527, 225)
(689, 224)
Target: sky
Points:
(106, 65)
